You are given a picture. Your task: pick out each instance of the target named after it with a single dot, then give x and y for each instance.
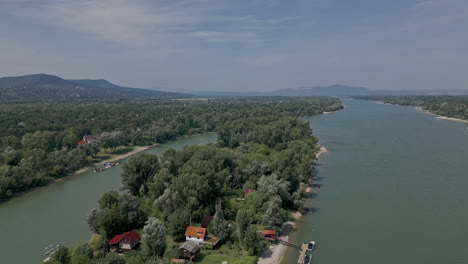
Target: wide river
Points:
(394, 188)
(31, 222)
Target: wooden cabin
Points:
(189, 250)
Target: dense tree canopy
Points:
(263, 145)
(39, 141)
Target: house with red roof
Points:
(124, 242)
(195, 233)
(92, 138)
(270, 235)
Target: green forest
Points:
(39, 141)
(263, 145)
(449, 106)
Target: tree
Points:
(272, 218)
(219, 226)
(168, 202)
(111, 222)
(113, 259)
(243, 221)
(153, 241)
(138, 172)
(130, 209)
(109, 199)
(251, 240)
(62, 255)
(96, 242)
(113, 139)
(82, 254)
(177, 223)
(92, 220)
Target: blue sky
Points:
(240, 45)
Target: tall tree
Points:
(272, 218)
(138, 172)
(177, 223)
(243, 221)
(153, 241)
(219, 226)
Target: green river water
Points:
(394, 188)
(31, 222)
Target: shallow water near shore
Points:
(394, 188)
(57, 213)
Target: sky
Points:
(239, 45)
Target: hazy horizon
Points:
(240, 46)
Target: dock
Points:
(289, 244)
(303, 252)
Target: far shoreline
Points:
(442, 117)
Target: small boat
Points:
(311, 246)
(307, 259)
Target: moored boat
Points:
(311, 246)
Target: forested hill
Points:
(44, 87)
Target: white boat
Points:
(307, 259)
(311, 246)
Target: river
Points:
(57, 212)
(394, 188)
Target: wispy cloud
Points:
(137, 22)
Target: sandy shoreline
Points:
(321, 151)
(112, 159)
(452, 119)
(85, 169)
(276, 252)
(443, 117)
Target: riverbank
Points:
(276, 253)
(113, 158)
(443, 117)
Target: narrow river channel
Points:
(31, 222)
(394, 188)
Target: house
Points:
(89, 139)
(81, 142)
(189, 249)
(248, 191)
(271, 235)
(206, 221)
(195, 233)
(124, 242)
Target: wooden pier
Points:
(289, 244)
(303, 248)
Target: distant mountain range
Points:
(44, 87)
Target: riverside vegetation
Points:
(263, 144)
(448, 106)
(39, 140)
